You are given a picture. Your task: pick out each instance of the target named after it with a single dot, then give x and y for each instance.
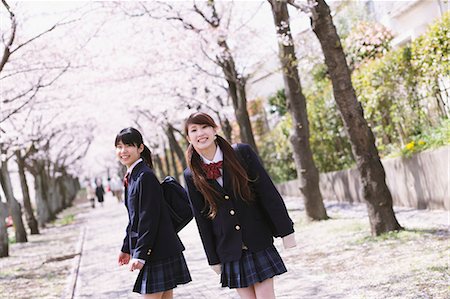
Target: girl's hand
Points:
(136, 265)
(123, 259)
(217, 268)
(289, 241)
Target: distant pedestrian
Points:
(237, 208)
(150, 242)
(99, 191)
(90, 192)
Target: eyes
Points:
(194, 128)
(121, 146)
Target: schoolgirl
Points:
(237, 208)
(151, 244)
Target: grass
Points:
(12, 239)
(66, 220)
(401, 236)
(440, 269)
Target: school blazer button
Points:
(237, 227)
(149, 251)
(232, 212)
(227, 197)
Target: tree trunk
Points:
(236, 90)
(4, 246)
(175, 146)
(166, 160)
(306, 169)
(13, 205)
(174, 163)
(29, 215)
(62, 192)
(226, 128)
(159, 166)
(375, 191)
(41, 187)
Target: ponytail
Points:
(146, 155)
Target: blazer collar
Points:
(136, 169)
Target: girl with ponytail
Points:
(237, 208)
(151, 244)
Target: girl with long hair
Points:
(151, 244)
(237, 208)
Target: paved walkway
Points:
(333, 259)
(99, 275)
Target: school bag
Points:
(177, 202)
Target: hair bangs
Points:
(129, 136)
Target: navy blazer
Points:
(238, 223)
(150, 234)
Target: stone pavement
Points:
(99, 275)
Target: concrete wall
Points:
(409, 19)
(420, 182)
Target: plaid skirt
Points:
(252, 267)
(163, 275)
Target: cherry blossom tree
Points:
(375, 191)
(307, 172)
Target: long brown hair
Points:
(231, 165)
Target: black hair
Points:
(131, 136)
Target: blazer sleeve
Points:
(204, 224)
(126, 240)
(149, 209)
(267, 194)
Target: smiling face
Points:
(202, 137)
(128, 153)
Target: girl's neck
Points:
(209, 152)
(128, 166)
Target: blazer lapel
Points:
(227, 184)
(132, 179)
(216, 186)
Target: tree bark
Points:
(159, 166)
(29, 215)
(41, 188)
(166, 159)
(375, 191)
(4, 245)
(13, 205)
(174, 163)
(175, 146)
(226, 128)
(307, 171)
(236, 90)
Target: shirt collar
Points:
(218, 156)
(129, 170)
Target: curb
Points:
(69, 291)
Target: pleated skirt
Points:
(252, 267)
(163, 275)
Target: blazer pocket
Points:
(216, 227)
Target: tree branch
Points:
(7, 51)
